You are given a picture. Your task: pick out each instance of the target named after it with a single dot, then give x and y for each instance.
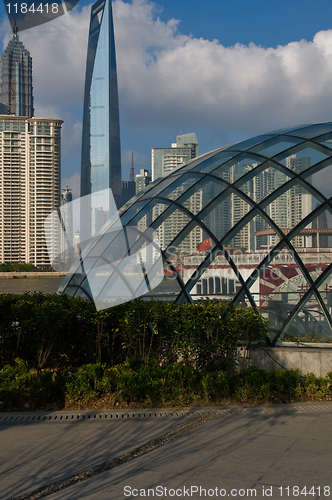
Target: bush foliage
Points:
(53, 331)
(16, 267)
(134, 383)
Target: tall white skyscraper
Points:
(29, 186)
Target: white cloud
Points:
(58, 50)
(170, 79)
(167, 79)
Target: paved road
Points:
(255, 452)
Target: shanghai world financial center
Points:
(101, 160)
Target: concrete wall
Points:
(307, 358)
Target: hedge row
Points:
(133, 383)
(49, 330)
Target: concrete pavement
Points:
(235, 452)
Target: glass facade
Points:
(16, 93)
(101, 163)
(253, 222)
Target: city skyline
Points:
(225, 93)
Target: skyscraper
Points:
(16, 93)
(29, 186)
(163, 160)
(142, 179)
(101, 162)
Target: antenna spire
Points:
(15, 29)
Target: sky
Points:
(226, 70)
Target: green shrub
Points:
(56, 331)
(138, 383)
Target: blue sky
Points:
(225, 70)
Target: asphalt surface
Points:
(279, 451)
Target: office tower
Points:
(142, 179)
(101, 163)
(29, 186)
(67, 222)
(188, 141)
(164, 160)
(16, 93)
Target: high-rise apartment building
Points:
(164, 160)
(16, 92)
(142, 179)
(29, 186)
(101, 162)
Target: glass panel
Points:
(218, 281)
(149, 213)
(134, 267)
(156, 190)
(156, 210)
(314, 243)
(169, 229)
(290, 207)
(132, 211)
(313, 131)
(99, 276)
(222, 215)
(275, 146)
(254, 240)
(325, 291)
(118, 248)
(215, 161)
(290, 130)
(180, 186)
(168, 289)
(188, 242)
(192, 262)
(302, 159)
(201, 194)
(250, 143)
(190, 166)
(322, 181)
(81, 293)
(102, 243)
(309, 324)
(266, 182)
(70, 290)
(325, 140)
(234, 169)
(278, 290)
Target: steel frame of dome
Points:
(265, 151)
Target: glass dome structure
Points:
(250, 223)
